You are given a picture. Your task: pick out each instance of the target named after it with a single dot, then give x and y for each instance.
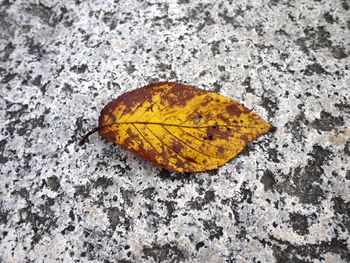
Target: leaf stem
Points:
(86, 136)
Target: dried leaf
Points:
(179, 127)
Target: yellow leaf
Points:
(179, 127)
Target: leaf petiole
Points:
(86, 136)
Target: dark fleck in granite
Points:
(285, 199)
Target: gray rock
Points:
(285, 199)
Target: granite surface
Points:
(285, 199)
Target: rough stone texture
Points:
(286, 199)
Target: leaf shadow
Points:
(185, 177)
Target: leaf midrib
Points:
(174, 125)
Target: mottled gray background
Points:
(285, 199)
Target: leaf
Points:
(179, 127)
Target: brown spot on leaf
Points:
(235, 110)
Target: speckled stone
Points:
(285, 199)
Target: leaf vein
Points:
(145, 138)
(186, 144)
(169, 147)
(207, 142)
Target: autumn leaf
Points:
(179, 127)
